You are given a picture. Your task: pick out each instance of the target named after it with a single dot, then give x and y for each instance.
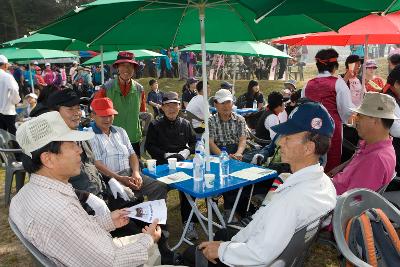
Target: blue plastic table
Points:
(198, 190)
(240, 111)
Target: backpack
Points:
(372, 238)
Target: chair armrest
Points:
(11, 150)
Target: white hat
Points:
(377, 105)
(47, 64)
(44, 129)
(3, 59)
(32, 95)
(35, 63)
(223, 95)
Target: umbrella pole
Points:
(102, 64)
(365, 59)
(205, 93)
(233, 81)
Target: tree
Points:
(19, 17)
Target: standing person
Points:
(48, 74)
(333, 93)
(196, 106)
(63, 76)
(357, 50)
(39, 81)
(97, 76)
(19, 78)
(192, 64)
(73, 71)
(188, 91)
(175, 61)
(154, 98)
(373, 82)
(353, 65)
(128, 97)
(9, 97)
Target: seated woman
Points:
(253, 98)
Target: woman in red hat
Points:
(128, 97)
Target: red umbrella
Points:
(372, 29)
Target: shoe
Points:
(241, 224)
(191, 232)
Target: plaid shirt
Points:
(113, 150)
(49, 215)
(227, 132)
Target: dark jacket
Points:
(165, 136)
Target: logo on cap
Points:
(316, 123)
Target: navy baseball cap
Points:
(308, 117)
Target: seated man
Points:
(114, 155)
(90, 185)
(306, 195)
(228, 130)
(172, 137)
(373, 165)
(48, 213)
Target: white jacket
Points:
(305, 196)
(9, 93)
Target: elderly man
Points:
(9, 97)
(306, 195)
(91, 187)
(128, 97)
(373, 165)
(227, 130)
(48, 213)
(114, 155)
(172, 137)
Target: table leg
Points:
(251, 195)
(196, 211)
(235, 204)
(183, 239)
(210, 220)
(218, 213)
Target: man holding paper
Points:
(48, 213)
(306, 195)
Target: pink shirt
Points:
(371, 167)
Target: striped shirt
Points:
(227, 132)
(49, 215)
(113, 150)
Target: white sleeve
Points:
(303, 91)
(263, 240)
(395, 129)
(14, 91)
(270, 121)
(343, 99)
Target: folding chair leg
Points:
(8, 186)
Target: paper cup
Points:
(151, 165)
(209, 180)
(172, 163)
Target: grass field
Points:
(13, 254)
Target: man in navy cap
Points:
(306, 195)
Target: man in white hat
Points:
(373, 164)
(48, 213)
(9, 97)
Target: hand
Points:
(116, 188)
(184, 153)
(97, 204)
(126, 180)
(167, 155)
(257, 158)
(153, 230)
(237, 156)
(349, 74)
(210, 250)
(137, 180)
(120, 217)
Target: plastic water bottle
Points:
(255, 104)
(223, 164)
(200, 147)
(198, 167)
